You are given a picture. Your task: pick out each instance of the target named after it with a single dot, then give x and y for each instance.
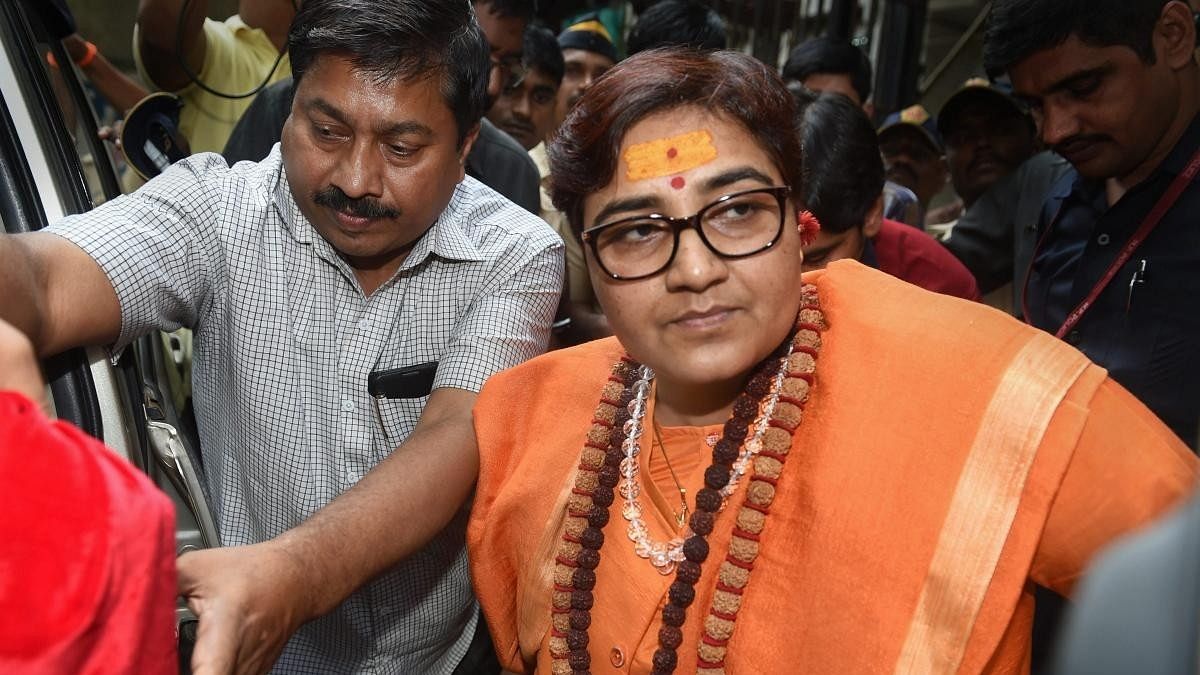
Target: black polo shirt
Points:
(1148, 337)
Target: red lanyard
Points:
(1152, 219)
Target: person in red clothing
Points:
(843, 187)
(87, 563)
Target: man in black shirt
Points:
(1115, 88)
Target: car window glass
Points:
(80, 116)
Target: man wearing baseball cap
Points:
(991, 148)
(588, 52)
(913, 155)
(987, 136)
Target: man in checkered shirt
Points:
(357, 246)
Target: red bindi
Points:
(677, 182)
(671, 153)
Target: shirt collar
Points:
(285, 202)
(446, 238)
(1184, 148)
(236, 24)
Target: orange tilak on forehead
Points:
(666, 156)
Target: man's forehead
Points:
(838, 83)
(536, 77)
(981, 112)
(504, 33)
(1043, 71)
(572, 55)
(399, 105)
(905, 134)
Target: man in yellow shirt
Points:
(212, 64)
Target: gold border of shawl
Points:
(985, 504)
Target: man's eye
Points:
(323, 131)
(402, 151)
(1085, 88)
(543, 98)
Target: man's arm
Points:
(18, 364)
(55, 293)
(161, 44)
(250, 599)
(120, 90)
(982, 239)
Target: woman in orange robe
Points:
(769, 473)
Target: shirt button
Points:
(347, 405)
(1103, 239)
(364, 324)
(616, 657)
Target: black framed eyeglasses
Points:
(734, 226)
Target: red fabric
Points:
(87, 560)
(909, 254)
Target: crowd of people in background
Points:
(396, 188)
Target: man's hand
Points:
(250, 600)
(19, 370)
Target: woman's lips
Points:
(703, 319)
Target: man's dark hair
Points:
(521, 9)
(541, 52)
(404, 39)
(1017, 29)
(677, 23)
(826, 55)
(843, 171)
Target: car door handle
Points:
(175, 461)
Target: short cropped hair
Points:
(583, 155)
(843, 170)
(677, 23)
(825, 55)
(1017, 29)
(405, 39)
(541, 52)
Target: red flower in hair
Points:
(809, 227)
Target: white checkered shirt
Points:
(284, 342)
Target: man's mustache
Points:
(363, 207)
(982, 158)
(514, 122)
(1075, 143)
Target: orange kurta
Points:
(851, 573)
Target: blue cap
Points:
(915, 117)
